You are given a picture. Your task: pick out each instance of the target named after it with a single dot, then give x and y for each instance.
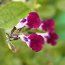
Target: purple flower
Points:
(48, 25)
(52, 38)
(33, 20)
(36, 42)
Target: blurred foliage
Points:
(3, 2)
(11, 12)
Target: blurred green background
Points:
(10, 13)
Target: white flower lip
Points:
(21, 24)
(22, 38)
(43, 34)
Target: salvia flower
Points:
(52, 38)
(34, 41)
(48, 25)
(31, 21)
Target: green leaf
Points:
(11, 13)
(3, 48)
(2, 37)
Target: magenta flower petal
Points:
(36, 42)
(33, 20)
(48, 25)
(52, 38)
